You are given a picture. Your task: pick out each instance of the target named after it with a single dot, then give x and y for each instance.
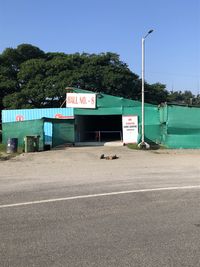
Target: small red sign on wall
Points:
(60, 116)
(19, 118)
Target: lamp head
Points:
(150, 31)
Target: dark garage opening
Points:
(98, 128)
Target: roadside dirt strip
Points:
(71, 166)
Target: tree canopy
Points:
(31, 78)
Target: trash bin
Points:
(37, 141)
(31, 143)
(12, 144)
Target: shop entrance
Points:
(98, 128)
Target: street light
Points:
(143, 144)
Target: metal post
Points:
(143, 63)
(143, 144)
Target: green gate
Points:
(63, 132)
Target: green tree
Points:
(182, 98)
(31, 78)
(10, 61)
(155, 93)
(43, 81)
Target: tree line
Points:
(31, 78)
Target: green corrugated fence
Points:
(180, 126)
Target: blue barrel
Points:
(12, 144)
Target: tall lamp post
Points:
(143, 144)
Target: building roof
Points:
(107, 104)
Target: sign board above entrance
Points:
(75, 100)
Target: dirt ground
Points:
(82, 165)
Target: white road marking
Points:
(99, 195)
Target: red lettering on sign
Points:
(83, 100)
(92, 100)
(72, 100)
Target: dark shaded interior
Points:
(99, 128)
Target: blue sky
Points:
(95, 26)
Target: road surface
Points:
(69, 208)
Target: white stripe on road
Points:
(99, 195)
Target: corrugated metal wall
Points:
(180, 126)
(34, 114)
(63, 131)
(23, 128)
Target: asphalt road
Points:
(157, 224)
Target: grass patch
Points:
(133, 146)
(2, 148)
(153, 146)
(5, 156)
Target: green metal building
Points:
(169, 125)
(105, 118)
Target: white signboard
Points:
(75, 100)
(130, 129)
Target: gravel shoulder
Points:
(82, 165)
